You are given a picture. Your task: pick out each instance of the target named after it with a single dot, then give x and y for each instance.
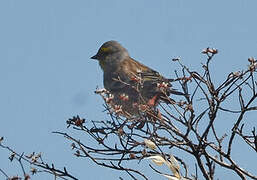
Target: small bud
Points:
(253, 65)
(109, 98)
(251, 59)
(212, 50)
(39, 155)
(11, 157)
(159, 115)
(143, 107)
(117, 109)
(79, 122)
(73, 146)
(33, 170)
(186, 79)
(34, 159)
(100, 91)
(236, 74)
(163, 85)
(132, 156)
(144, 152)
(189, 107)
(176, 59)
(27, 177)
(135, 78)
(124, 97)
(131, 126)
(215, 51)
(152, 102)
(120, 131)
(77, 153)
(181, 103)
(100, 140)
(1, 139)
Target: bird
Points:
(133, 86)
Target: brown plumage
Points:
(124, 76)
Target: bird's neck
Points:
(112, 62)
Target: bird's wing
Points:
(133, 68)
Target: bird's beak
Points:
(94, 57)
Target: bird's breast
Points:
(112, 81)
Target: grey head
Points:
(110, 53)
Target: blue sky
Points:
(47, 76)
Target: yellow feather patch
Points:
(105, 49)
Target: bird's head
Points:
(110, 53)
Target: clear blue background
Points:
(46, 75)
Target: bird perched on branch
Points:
(132, 84)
